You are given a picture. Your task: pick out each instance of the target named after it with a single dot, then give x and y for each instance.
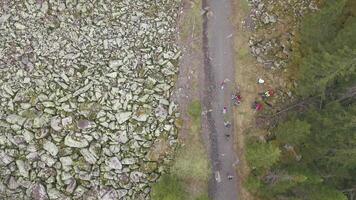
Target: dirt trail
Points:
(219, 66)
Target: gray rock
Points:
(66, 121)
(50, 147)
(66, 161)
(117, 73)
(42, 133)
(112, 75)
(65, 98)
(91, 194)
(88, 156)
(23, 168)
(115, 63)
(56, 194)
(79, 191)
(66, 177)
(141, 117)
(77, 142)
(109, 194)
(33, 156)
(83, 175)
(135, 176)
(4, 17)
(19, 26)
(84, 124)
(115, 149)
(122, 117)
(114, 163)
(48, 104)
(41, 121)
(48, 160)
(5, 159)
(71, 186)
(83, 89)
(128, 161)
(25, 106)
(12, 183)
(122, 138)
(121, 193)
(56, 124)
(15, 119)
(161, 113)
(38, 192)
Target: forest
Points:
(311, 153)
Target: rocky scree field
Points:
(85, 87)
(274, 24)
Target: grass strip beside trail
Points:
(190, 172)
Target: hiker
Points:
(227, 124)
(257, 106)
(222, 85)
(267, 94)
(230, 177)
(224, 110)
(236, 98)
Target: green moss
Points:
(152, 11)
(149, 167)
(194, 110)
(169, 187)
(203, 197)
(29, 114)
(192, 22)
(192, 162)
(80, 163)
(244, 5)
(91, 108)
(178, 123)
(253, 184)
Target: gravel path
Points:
(219, 66)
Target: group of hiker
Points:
(257, 105)
(236, 98)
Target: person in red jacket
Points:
(257, 106)
(267, 94)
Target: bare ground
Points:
(246, 76)
(247, 73)
(187, 89)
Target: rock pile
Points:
(275, 22)
(85, 97)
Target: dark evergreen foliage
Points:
(317, 148)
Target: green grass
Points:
(191, 165)
(192, 22)
(194, 111)
(243, 53)
(203, 197)
(192, 162)
(244, 5)
(168, 188)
